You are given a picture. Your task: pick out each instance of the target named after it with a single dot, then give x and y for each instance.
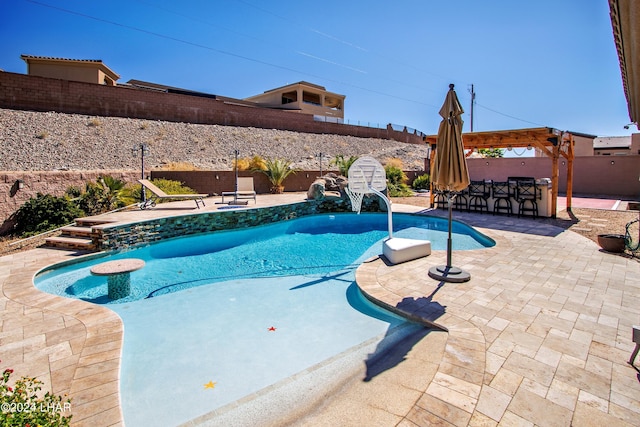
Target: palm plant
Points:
(277, 170)
(343, 164)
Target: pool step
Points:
(77, 231)
(76, 237)
(75, 243)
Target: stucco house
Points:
(79, 70)
(305, 97)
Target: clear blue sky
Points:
(534, 63)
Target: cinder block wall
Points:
(46, 182)
(24, 92)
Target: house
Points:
(79, 70)
(617, 145)
(304, 97)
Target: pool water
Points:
(218, 317)
(315, 244)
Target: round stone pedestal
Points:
(118, 275)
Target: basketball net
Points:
(357, 196)
(356, 199)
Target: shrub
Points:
(44, 213)
(396, 182)
(343, 164)
(179, 166)
(242, 165)
(101, 196)
(422, 182)
(21, 405)
(257, 163)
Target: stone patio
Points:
(541, 335)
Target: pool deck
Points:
(540, 335)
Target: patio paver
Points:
(539, 336)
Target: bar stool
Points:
(461, 201)
(441, 200)
(527, 193)
(502, 194)
(479, 192)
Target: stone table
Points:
(118, 275)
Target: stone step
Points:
(90, 221)
(76, 231)
(65, 242)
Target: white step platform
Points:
(398, 250)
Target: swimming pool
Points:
(314, 244)
(221, 316)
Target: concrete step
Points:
(76, 243)
(76, 231)
(90, 221)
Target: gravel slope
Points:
(53, 141)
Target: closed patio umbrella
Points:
(450, 174)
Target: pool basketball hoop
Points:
(366, 176)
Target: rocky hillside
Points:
(34, 141)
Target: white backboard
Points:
(366, 173)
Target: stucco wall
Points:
(592, 175)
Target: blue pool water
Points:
(242, 310)
(315, 244)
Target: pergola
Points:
(552, 142)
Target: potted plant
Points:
(277, 171)
(612, 242)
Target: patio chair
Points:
(159, 194)
(245, 190)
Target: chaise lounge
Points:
(245, 190)
(159, 194)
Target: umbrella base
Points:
(449, 274)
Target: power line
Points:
(510, 116)
(224, 52)
(282, 67)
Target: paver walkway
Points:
(539, 336)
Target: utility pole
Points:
(473, 101)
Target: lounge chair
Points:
(245, 190)
(159, 194)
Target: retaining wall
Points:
(24, 92)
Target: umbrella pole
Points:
(448, 273)
(450, 200)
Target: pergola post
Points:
(569, 157)
(555, 174)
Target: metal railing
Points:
(352, 122)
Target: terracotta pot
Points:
(277, 189)
(611, 242)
